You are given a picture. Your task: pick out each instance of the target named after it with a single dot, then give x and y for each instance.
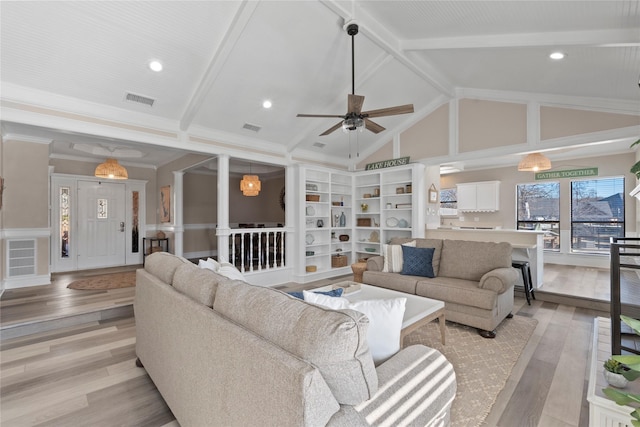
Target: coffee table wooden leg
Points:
(441, 321)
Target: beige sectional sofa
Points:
(474, 279)
(226, 353)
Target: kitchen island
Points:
(527, 245)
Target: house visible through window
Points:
(539, 209)
(448, 201)
(597, 214)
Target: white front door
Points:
(101, 224)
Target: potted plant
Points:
(613, 371)
(632, 363)
(635, 169)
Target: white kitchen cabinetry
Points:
(479, 196)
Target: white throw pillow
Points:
(229, 270)
(385, 323)
(336, 303)
(393, 257)
(385, 320)
(210, 264)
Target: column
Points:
(223, 231)
(178, 206)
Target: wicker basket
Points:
(338, 261)
(363, 222)
(313, 197)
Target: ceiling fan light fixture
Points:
(353, 123)
(111, 169)
(534, 162)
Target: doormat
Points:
(106, 281)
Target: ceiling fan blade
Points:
(354, 103)
(321, 115)
(331, 129)
(373, 126)
(390, 111)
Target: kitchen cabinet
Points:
(479, 196)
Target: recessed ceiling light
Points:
(557, 55)
(155, 66)
(267, 104)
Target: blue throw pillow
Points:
(417, 261)
(334, 293)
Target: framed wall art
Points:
(165, 203)
(433, 194)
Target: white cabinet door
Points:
(466, 194)
(487, 197)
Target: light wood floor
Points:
(86, 375)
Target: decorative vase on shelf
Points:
(343, 220)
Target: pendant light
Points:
(534, 162)
(111, 169)
(250, 184)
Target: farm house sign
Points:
(573, 173)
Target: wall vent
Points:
(21, 257)
(132, 97)
(319, 144)
(253, 128)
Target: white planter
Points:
(615, 380)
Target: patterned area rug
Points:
(106, 281)
(482, 365)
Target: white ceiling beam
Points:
(604, 38)
(379, 35)
(240, 21)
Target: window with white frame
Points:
(597, 214)
(538, 208)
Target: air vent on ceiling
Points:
(319, 144)
(253, 128)
(132, 97)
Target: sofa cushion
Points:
(230, 271)
(470, 260)
(209, 263)
(334, 341)
(393, 257)
(163, 265)
(198, 283)
(393, 281)
(385, 317)
(459, 291)
(417, 261)
(436, 244)
(332, 293)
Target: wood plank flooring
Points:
(86, 375)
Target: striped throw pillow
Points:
(393, 257)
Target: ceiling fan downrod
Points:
(352, 30)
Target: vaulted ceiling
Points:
(67, 66)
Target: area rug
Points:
(106, 281)
(482, 365)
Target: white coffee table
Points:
(418, 311)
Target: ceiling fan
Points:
(355, 117)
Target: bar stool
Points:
(526, 279)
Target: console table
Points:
(154, 245)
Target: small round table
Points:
(358, 268)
